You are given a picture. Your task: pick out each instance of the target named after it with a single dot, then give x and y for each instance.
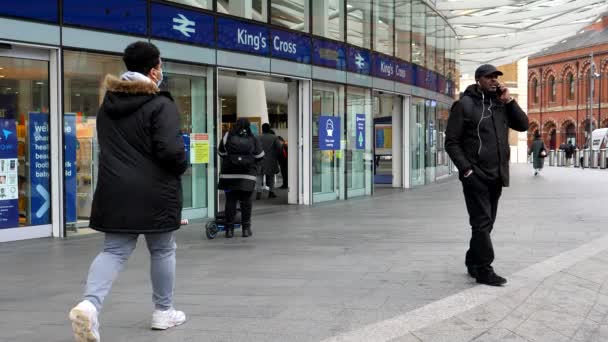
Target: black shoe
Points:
(258, 196)
(272, 195)
(472, 271)
(246, 231)
(229, 233)
(491, 279)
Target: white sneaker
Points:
(162, 320)
(85, 324)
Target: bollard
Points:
(586, 157)
(603, 158)
(561, 156)
(594, 159)
(552, 158)
(577, 158)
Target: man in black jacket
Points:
(139, 188)
(477, 140)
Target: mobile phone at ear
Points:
(499, 90)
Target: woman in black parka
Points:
(241, 154)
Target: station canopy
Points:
(503, 31)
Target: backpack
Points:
(240, 150)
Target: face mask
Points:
(160, 79)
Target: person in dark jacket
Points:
(538, 159)
(138, 191)
(270, 166)
(478, 143)
(241, 154)
(283, 162)
(569, 153)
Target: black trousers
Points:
(245, 199)
(481, 198)
(283, 165)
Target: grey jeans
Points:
(117, 249)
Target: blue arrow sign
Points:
(40, 169)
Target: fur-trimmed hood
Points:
(123, 98)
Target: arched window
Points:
(552, 88)
(535, 90)
(570, 79)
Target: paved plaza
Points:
(386, 268)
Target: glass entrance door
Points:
(25, 144)
(417, 141)
(327, 137)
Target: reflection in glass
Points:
(384, 26)
(403, 30)
(431, 140)
(206, 4)
(248, 9)
(291, 14)
(328, 19)
(418, 32)
(417, 141)
(25, 157)
(189, 93)
(431, 38)
(440, 42)
(359, 22)
(84, 75)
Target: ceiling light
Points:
(1, 76)
(349, 6)
(563, 41)
(599, 20)
(380, 21)
(77, 94)
(39, 83)
(1, 68)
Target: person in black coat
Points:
(241, 154)
(139, 188)
(477, 140)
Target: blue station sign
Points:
(45, 10)
(129, 16)
(238, 35)
(168, 22)
(292, 46)
(384, 67)
(359, 61)
(329, 54)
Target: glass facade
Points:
(359, 24)
(384, 26)
(403, 30)
(408, 30)
(419, 32)
(417, 141)
(84, 75)
(206, 4)
(249, 9)
(291, 14)
(328, 19)
(83, 93)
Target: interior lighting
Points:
(39, 83)
(349, 6)
(563, 41)
(1, 68)
(1, 76)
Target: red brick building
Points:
(559, 87)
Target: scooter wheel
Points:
(211, 230)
